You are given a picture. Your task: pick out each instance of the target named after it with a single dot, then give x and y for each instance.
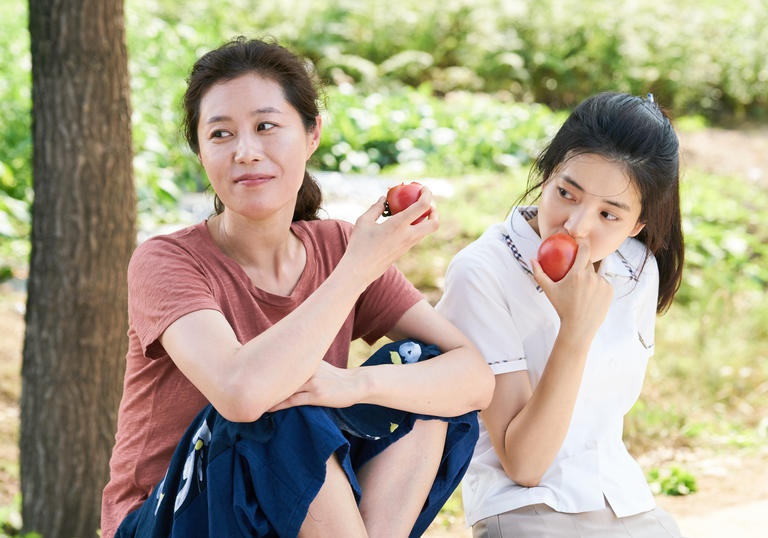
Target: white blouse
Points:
(491, 296)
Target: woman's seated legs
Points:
(333, 512)
(396, 482)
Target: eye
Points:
(265, 126)
(220, 133)
(564, 193)
(609, 216)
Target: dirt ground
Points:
(741, 153)
(732, 488)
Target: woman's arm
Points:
(527, 427)
(451, 384)
(244, 381)
(455, 382)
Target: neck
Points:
(534, 223)
(266, 247)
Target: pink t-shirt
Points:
(172, 275)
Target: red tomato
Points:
(401, 196)
(556, 255)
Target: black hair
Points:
(637, 133)
(240, 57)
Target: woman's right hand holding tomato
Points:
(581, 298)
(374, 246)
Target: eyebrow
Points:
(263, 110)
(568, 179)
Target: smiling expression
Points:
(254, 146)
(592, 199)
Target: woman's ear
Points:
(637, 229)
(314, 136)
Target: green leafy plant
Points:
(409, 131)
(671, 481)
(697, 56)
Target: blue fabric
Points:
(374, 421)
(230, 479)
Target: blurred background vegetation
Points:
(470, 90)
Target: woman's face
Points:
(254, 146)
(590, 198)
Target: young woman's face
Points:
(254, 146)
(590, 198)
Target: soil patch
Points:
(742, 153)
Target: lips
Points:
(253, 179)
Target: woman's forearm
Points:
(456, 382)
(274, 364)
(242, 381)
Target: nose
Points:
(248, 149)
(577, 225)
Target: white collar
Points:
(523, 242)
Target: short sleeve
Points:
(474, 301)
(384, 301)
(164, 283)
(382, 304)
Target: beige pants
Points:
(540, 521)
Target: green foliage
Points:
(15, 137)
(408, 131)
(726, 236)
(671, 481)
(697, 56)
(15, 88)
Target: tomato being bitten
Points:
(401, 196)
(556, 255)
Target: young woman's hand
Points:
(581, 298)
(374, 246)
(329, 386)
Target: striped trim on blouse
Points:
(502, 361)
(519, 258)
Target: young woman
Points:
(570, 356)
(252, 311)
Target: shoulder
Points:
(487, 253)
(326, 229)
(638, 261)
(484, 262)
(165, 252)
(633, 268)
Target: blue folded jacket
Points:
(229, 479)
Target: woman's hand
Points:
(374, 246)
(329, 386)
(582, 297)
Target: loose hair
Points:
(242, 56)
(637, 133)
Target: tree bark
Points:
(83, 233)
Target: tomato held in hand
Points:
(401, 196)
(556, 255)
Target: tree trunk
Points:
(83, 219)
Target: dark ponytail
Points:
(242, 56)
